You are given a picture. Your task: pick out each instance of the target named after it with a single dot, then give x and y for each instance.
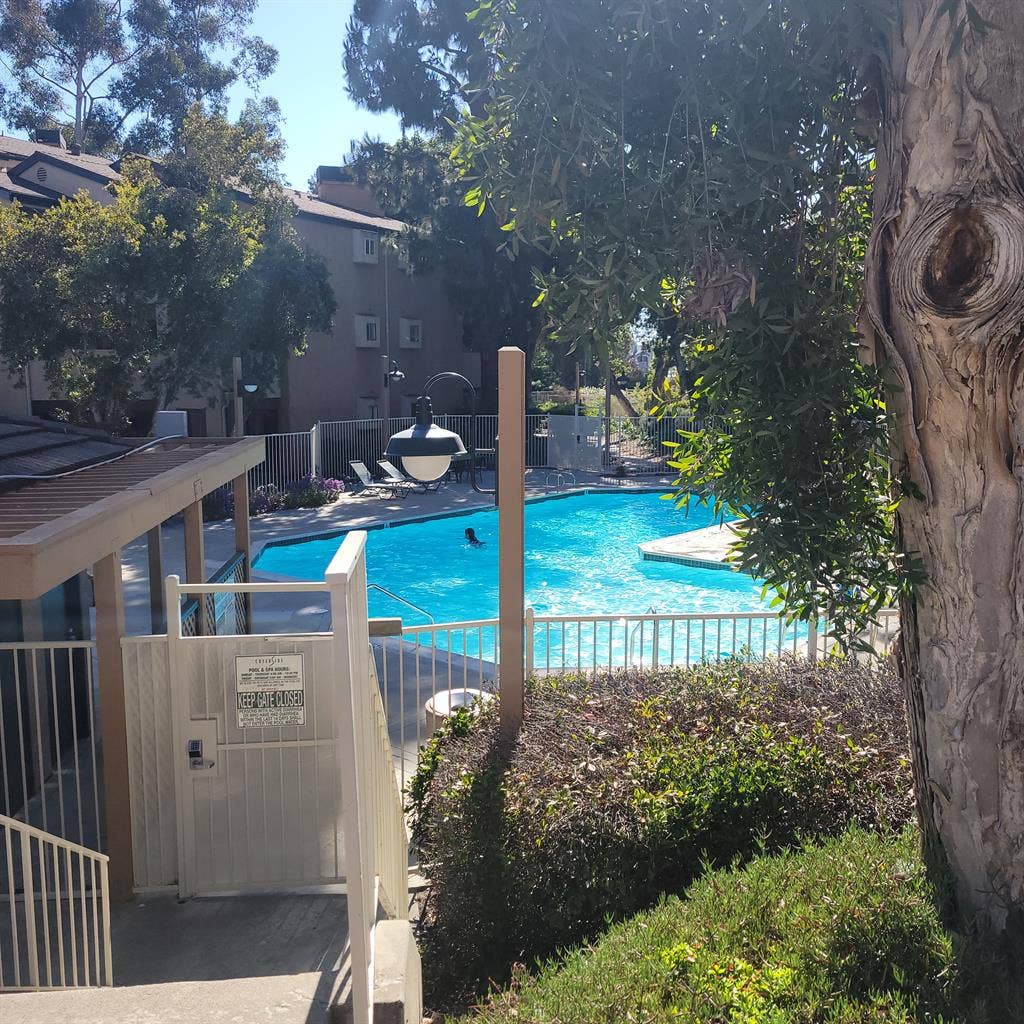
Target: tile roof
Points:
(33, 447)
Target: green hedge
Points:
(845, 933)
(619, 789)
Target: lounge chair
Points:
(399, 479)
(374, 488)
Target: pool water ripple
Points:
(581, 559)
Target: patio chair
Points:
(368, 486)
(395, 476)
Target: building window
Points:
(365, 246)
(410, 333)
(367, 332)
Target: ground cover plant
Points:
(842, 933)
(619, 789)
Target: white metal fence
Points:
(328, 448)
(49, 738)
(422, 661)
(56, 931)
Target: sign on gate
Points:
(270, 690)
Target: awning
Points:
(50, 530)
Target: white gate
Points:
(256, 735)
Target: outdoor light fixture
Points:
(246, 387)
(394, 374)
(427, 450)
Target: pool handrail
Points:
(402, 600)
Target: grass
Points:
(843, 933)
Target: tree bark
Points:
(616, 390)
(945, 305)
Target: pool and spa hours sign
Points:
(270, 690)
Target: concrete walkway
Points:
(268, 958)
(707, 548)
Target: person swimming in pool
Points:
(472, 538)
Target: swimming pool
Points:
(581, 558)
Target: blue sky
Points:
(319, 119)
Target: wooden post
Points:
(117, 800)
(511, 498)
(195, 557)
(157, 611)
(243, 540)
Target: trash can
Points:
(445, 703)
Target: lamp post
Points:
(242, 388)
(427, 450)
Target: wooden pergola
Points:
(52, 529)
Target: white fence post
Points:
(314, 450)
(346, 581)
(812, 638)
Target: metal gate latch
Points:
(196, 761)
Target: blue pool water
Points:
(581, 559)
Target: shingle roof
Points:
(14, 151)
(40, 447)
(22, 149)
(314, 207)
(16, 188)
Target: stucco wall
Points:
(337, 380)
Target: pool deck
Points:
(707, 548)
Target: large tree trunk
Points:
(945, 282)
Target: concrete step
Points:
(278, 999)
(314, 997)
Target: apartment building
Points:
(386, 315)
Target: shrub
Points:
(313, 492)
(265, 498)
(845, 933)
(619, 789)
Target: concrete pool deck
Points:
(707, 548)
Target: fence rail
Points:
(57, 895)
(222, 614)
(418, 663)
(330, 445)
(49, 738)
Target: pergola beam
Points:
(50, 545)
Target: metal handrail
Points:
(632, 635)
(88, 926)
(401, 600)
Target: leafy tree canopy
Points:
(152, 294)
(416, 58)
(123, 73)
(706, 157)
(414, 179)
